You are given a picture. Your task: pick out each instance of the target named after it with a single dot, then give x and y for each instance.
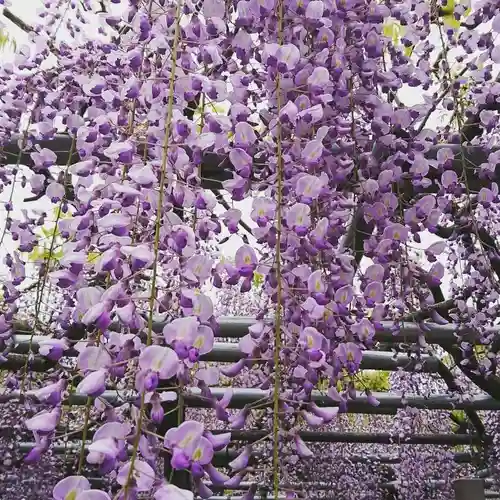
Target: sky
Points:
(27, 10)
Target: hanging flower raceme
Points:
(94, 361)
(156, 363)
(245, 262)
(108, 446)
(193, 449)
(189, 338)
(50, 394)
(298, 110)
(77, 488)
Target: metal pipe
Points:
(223, 457)
(469, 489)
(228, 352)
(237, 326)
(245, 396)
(217, 167)
(367, 437)
(388, 403)
(484, 473)
(392, 485)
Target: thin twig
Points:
(225, 204)
(438, 100)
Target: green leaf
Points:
(377, 381)
(43, 253)
(36, 254)
(92, 256)
(448, 15)
(450, 21)
(59, 214)
(459, 415)
(449, 8)
(258, 279)
(408, 51)
(480, 351)
(7, 41)
(459, 418)
(392, 29)
(49, 232)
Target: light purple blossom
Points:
(70, 487)
(298, 218)
(349, 355)
(94, 384)
(157, 363)
(172, 492)
(142, 474)
(44, 422)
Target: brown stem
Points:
(17, 21)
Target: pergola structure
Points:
(217, 168)
(227, 351)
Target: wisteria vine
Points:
(330, 182)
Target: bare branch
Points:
(18, 21)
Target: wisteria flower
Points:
(172, 492)
(141, 472)
(70, 487)
(349, 355)
(44, 422)
(156, 363)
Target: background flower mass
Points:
(250, 249)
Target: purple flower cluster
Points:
(302, 102)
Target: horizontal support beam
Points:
(321, 486)
(245, 396)
(230, 497)
(389, 486)
(373, 438)
(388, 403)
(15, 362)
(222, 351)
(60, 144)
(217, 168)
(226, 352)
(222, 458)
(235, 327)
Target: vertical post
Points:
(469, 489)
(180, 478)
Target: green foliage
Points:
(6, 41)
(48, 233)
(374, 380)
(258, 280)
(458, 419)
(480, 350)
(392, 29)
(210, 107)
(448, 14)
(43, 253)
(377, 381)
(447, 360)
